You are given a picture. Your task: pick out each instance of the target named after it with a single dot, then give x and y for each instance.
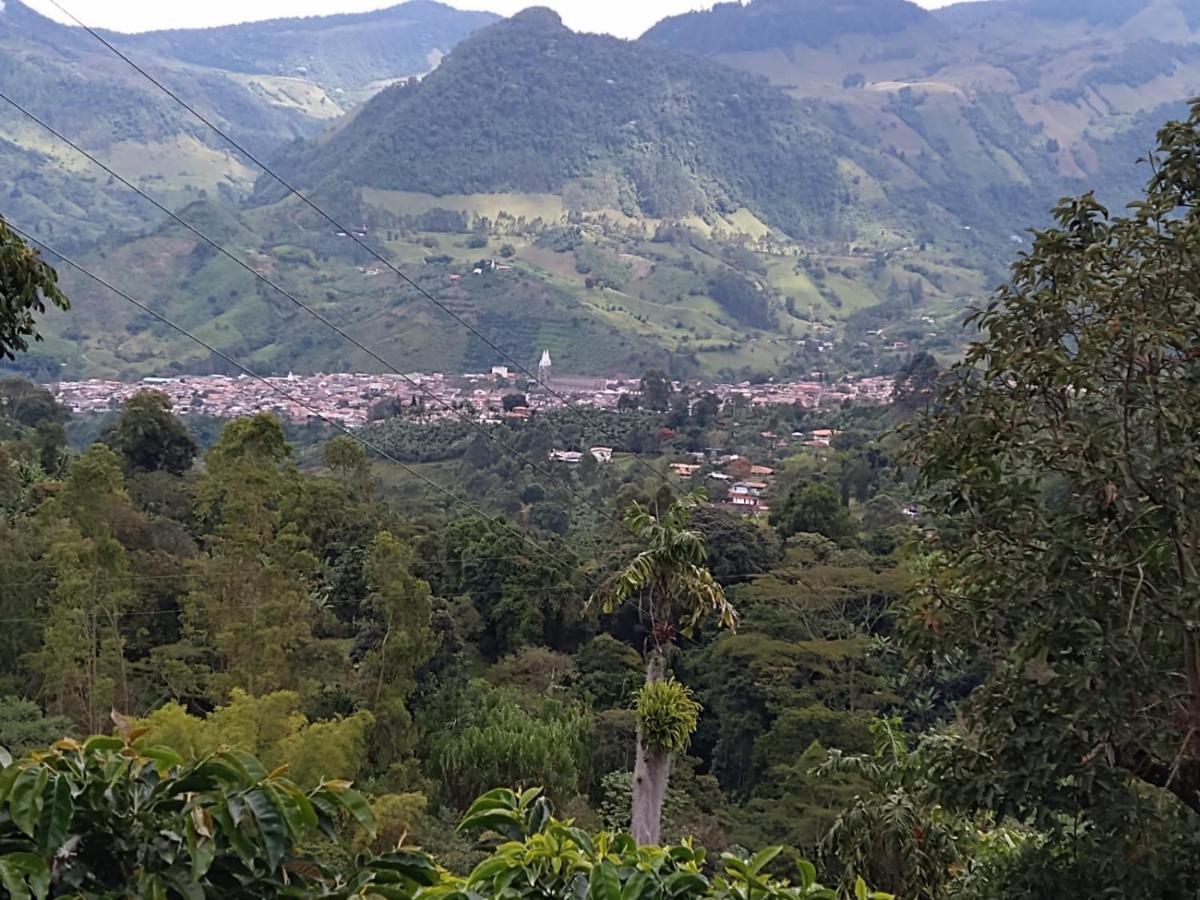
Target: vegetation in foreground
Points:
(113, 817)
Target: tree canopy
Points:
(1063, 458)
(27, 284)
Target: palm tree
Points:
(674, 591)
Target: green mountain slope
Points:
(245, 78)
(984, 110)
(529, 106)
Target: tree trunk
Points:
(651, 771)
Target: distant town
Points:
(355, 398)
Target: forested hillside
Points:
(775, 24)
(529, 106)
(771, 189)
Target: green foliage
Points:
(781, 23)
(512, 401)
(23, 726)
(813, 508)
(1061, 459)
(27, 284)
(655, 390)
(608, 672)
(494, 739)
(667, 715)
(739, 297)
(671, 570)
(545, 857)
(660, 123)
(271, 727)
(150, 437)
(104, 818)
(894, 837)
(27, 405)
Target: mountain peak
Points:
(538, 16)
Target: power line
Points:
(312, 312)
(293, 399)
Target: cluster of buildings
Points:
(345, 398)
(351, 398)
(744, 483)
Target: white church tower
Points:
(545, 369)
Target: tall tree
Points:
(1065, 455)
(674, 592)
(81, 664)
(656, 390)
(402, 608)
(252, 602)
(27, 284)
(150, 437)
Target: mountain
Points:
(986, 110)
(265, 83)
(529, 106)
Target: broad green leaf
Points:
(164, 758)
(24, 875)
(605, 883)
(488, 869)
(499, 798)
(860, 889)
(7, 776)
(272, 828)
(414, 865)
(808, 873)
(202, 850)
(636, 886)
(241, 845)
(686, 884)
(501, 821)
(299, 818)
(354, 803)
(57, 815)
(26, 801)
(252, 769)
(763, 857)
(102, 742)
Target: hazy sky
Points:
(627, 18)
